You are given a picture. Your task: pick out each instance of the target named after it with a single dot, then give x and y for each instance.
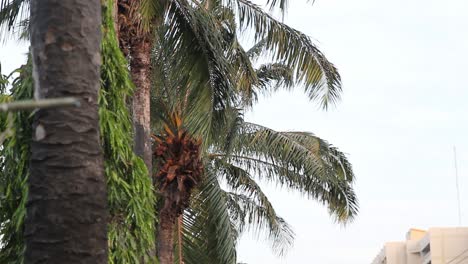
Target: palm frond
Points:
(273, 76)
(209, 236)
(276, 228)
(257, 49)
(203, 82)
(250, 208)
(282, 43)
(299, 161)
(246, 76)
(151, 13)
(14, 18)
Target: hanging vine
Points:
(131, 197)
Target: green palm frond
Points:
(246, 76)
(3, 81)
(257, 49)
(209, 235)
(299, 161)
(276, 228)
(282, 43)
(14, 18)
(250, 208)
(273, 76)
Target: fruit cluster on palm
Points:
(207, 159)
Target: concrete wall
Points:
(449, 245)
(435, 246)
(395, 252)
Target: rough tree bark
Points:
(67, 212)
(136, 45)
(165, 236)
(140, 66)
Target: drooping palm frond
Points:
(250, 208)
(246, 75)
(299, 161)
(14, 18)
(274, 76)
(209, 235)
(295, 49)
(260, 220)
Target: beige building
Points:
(434, 246)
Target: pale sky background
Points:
(404, 65)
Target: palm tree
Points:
(67, 210)
(200, 143)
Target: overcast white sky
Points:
(404, 65)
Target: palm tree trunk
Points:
(165, 239)
(67, 212)
(140, 65)
(180, 223)
(136, 45)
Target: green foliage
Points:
(292, 48)
(250, 208)
(298, 161)
(14, 18)
(130, 192)
(14, 164)
(209, 236)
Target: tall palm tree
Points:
(67, 211)
(200, 144)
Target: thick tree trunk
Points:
(165, 246)
(67, 212)
(140, 65)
